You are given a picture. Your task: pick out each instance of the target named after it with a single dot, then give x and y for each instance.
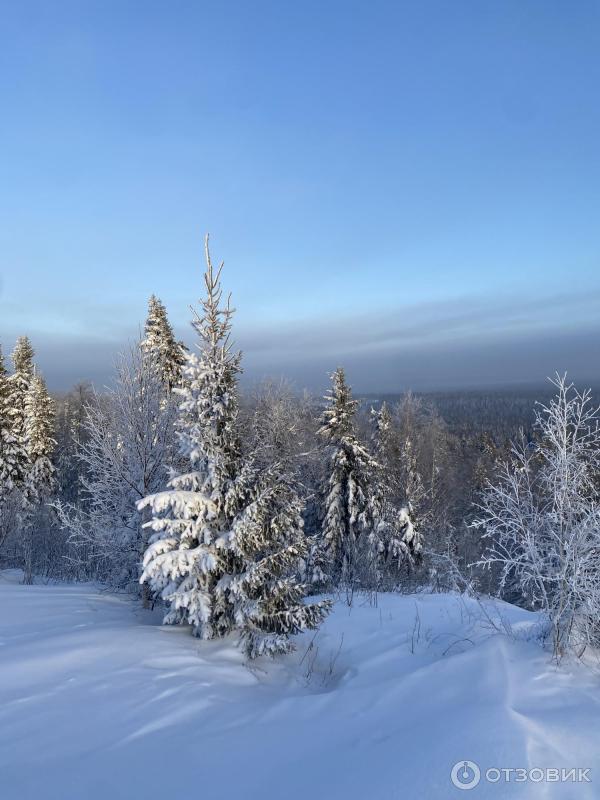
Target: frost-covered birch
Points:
(542, 519)
(127, 440)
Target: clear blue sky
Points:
(410, 189)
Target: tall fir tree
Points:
(386, 447)
(39, 441)
(225, 536)
(13, 456)
(269, 544)
(160, 345)
(413, 491)
(40, 480)
(18, 387)
(351, 503)
(399, 540)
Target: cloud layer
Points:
(466, 342)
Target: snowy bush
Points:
(542, 519)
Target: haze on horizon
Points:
(409, 190)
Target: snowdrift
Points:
(98, 701)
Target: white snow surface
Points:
(100, 702)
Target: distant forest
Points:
(501, 412)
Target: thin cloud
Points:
(414, 326)
(471, 341)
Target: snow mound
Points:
(98, 701)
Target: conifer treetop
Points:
(40, 414)
(22, 356)
(383, 423)
(13, 392)
(13, 458)
(337, 420)
(159, 344)
(214, 326)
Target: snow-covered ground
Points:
(97, 701)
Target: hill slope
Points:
(99, 702)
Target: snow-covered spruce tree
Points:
(400, 543)
(386, 446)
(349, 535)
(227, 535)
(15, 504)
(282, 428)
(160, 345)
(269, 544)
(125, 440)
(542, 519)
(13, 461)
(412, 512)
(39, 430)
(18, 387)
(40, 481)
(13, 455)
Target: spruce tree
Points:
(269, 543)
(13, 456)
(11, 461)
(40, 480)
(18, 387)
(39, 430)
(413, 490)
(160, 345)
(226, 537)
(350, 506)
(386, 448)
(399, 541)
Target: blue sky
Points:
(410, 189)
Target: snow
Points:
(98, 701)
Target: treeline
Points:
(231, 509)
(501, 413)
(109, 450)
